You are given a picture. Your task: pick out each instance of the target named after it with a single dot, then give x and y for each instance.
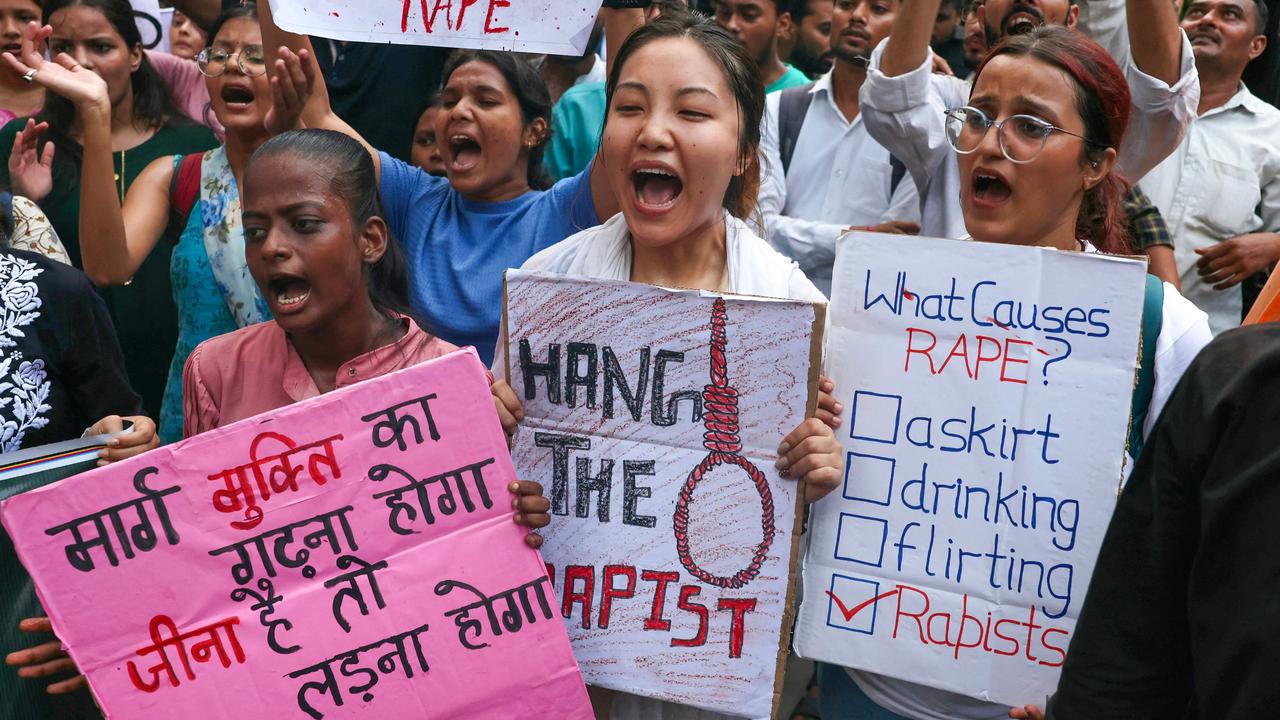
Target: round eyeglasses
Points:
(1022, 137)
(251, 60)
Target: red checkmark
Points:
(848, 614)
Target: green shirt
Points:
(144, 312)
(791, 78)
(576, 122)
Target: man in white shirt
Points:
(904, 103)
(837, 176)
(1220, 190)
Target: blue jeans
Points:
(840, 698)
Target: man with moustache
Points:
(1220, 190)
(807, 46)
(836, 176)
(905, 104)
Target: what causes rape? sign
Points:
(347, 555)
(653, 419)
(987, 397)
(556, 27)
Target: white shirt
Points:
(1222, 181)
(1184, 331)
(839, 177)
(597, 72)
(906, 115)
(604, 252)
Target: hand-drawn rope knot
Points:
(720, 418)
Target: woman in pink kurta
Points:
(335, 282)
(319, 250)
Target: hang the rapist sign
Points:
(555, 27)
(653, 419)
(987, 398)
(352, 555)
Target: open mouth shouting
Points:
(287, 293)
(990, 188)
(237, 97)
(1022, 19)
(464, 152)
(657, 187)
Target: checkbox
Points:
(875, 416)
(868, 478)
(861, 539)
(851, 604)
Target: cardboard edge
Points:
(790, 604)
(504, 337)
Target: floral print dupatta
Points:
(224, 239)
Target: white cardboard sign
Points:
(556, 27)
(986, 393)
(652, 419)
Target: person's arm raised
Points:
(1155, 40)
(292, 60)
(109, 255)
(909, 37)
(619, 23)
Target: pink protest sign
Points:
(349, 556)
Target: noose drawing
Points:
(720, 418)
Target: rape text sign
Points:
(986, 392)
(351, 555)
(556, 27)
(653, 418)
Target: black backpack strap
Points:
(898, 170)
(793, 104)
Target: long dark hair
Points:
(744, 81)
(530, 91)
(152, 106)
(232, 12)
(1102, 99)
(351, 175)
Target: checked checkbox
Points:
(852, 603)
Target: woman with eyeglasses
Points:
(1036, 148)
(197, 195)
(141, 125)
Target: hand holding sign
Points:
(45, 659)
